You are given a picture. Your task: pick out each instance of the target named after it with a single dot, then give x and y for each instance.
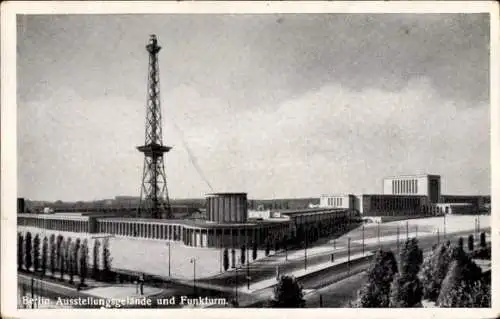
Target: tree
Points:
(226, 260)
(45, 248)
(67, 257)
(243, 254)
(254, 251)
(28, 261)
(59, 251)
(20, 256)
(288, 294)
(406, 289)
(70, 263)
(459, 283)
(84, 250)
(36, 253)
(106, 260)
(482, 240)
(95, 260)
(376, 292)
(52, 244)
(461, 243)
(75, 255)
(434, 270)
(62, 261)
(470, 243)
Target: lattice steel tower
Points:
(154, 202)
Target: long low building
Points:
(227, 224)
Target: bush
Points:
(288, 294)
(458, 286)
(406, 291)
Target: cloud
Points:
(333, 139)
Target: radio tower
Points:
(154, 201)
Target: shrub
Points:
(459, 283)
(288, 294)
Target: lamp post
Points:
(305, 252)
(397, 237)
(193, 261)
(378, 234)
(363, 238)
(169, 248)
(444, 225)
(349, 254)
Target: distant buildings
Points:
(407, 196)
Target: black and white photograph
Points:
(281, 159)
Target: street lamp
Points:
(193, 261)
(169, 248)
(363, 237)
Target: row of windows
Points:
(335, 201)
(394, 203)
(409, 186)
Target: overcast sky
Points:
(272, 105)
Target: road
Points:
(338, 288)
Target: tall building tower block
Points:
(154, 201)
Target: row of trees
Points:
(60, 256)
(448, 276)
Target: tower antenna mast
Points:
(154, 201)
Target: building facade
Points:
(423, 185)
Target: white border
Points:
(9, 156)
